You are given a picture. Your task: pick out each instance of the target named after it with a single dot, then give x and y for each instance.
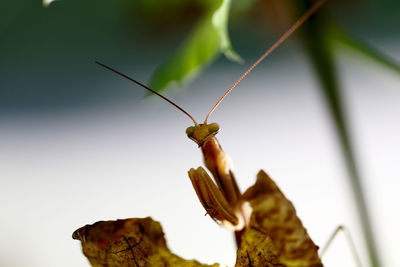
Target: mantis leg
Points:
(342, 228)
(213, 201)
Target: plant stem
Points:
(321, 57)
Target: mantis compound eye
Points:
(213, 127)
(190, 131)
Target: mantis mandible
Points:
(222, 198)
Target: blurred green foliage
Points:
(208, 38)
(340, 37)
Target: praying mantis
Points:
(269, 211)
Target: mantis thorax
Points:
(201, 132)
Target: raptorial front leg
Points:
(214, 202)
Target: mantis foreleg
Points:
(213, 201)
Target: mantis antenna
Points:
(275, 45)
(148, 88)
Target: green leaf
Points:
(363, 48)
(202, 46)
(220, 22)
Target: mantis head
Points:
(200, 133)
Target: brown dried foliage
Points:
(275, 237)
(128, 243)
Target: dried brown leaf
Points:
(275, 218)
(257, 249)
(128, 243)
